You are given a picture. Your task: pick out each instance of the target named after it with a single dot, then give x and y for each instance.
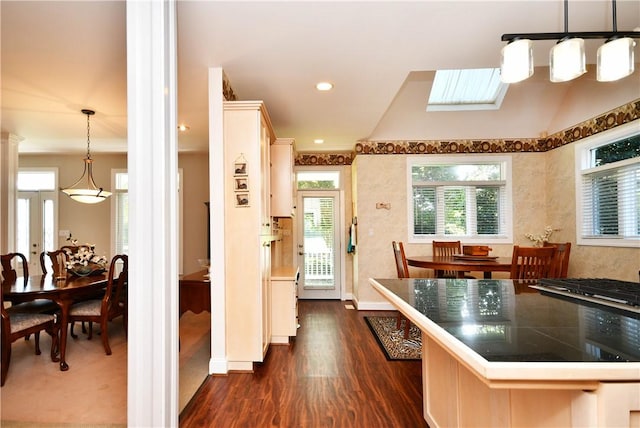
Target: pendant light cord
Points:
(88, 138)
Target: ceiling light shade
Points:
(324, 86)
(566, 60)
(516, 61)
(85, 190)
(615, 59)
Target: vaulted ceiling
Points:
(59, 57)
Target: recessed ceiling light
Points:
(318, 141)
(324, 86)
(183, 128)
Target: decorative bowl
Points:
(86, 270)
(475, 250)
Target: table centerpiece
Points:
(85, 261)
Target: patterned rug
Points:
(392, 340)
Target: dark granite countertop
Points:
(503, 322)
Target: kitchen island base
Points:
(454, 396)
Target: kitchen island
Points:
(495, 353)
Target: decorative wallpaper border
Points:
(227, 90)
(609, 120)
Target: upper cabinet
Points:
(282, 178)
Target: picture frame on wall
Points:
(239, 168)
(241, 184)
(242, 199)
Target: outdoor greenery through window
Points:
(318, 180)
(455, 198)
(609, 189)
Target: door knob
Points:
(300, 254)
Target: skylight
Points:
(472, 89)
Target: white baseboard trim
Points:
(241, 366)
(218, 366)
(373, 306)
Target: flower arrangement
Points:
(539, 240)
(84, 261)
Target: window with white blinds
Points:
(608, 189)
(120, 204)
(120, 212)
(468, 199)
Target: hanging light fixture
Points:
(567, 58)
(516, 61)
(89, 193)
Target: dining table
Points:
(462, 263)
(63, 291)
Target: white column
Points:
(218, 362)
(153, 212)
(8, 174)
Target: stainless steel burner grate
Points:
(622, 291)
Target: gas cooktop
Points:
(610, 292)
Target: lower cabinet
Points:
(284, 304)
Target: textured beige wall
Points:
(195, 172)
(585, 261)
(91, 223)
(543, 194)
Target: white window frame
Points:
(506, 161)
(180, 200)
(583, 165)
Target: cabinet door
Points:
(282, 178)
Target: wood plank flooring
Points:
(334, 374)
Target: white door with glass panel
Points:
(36, 215)
(319, 244)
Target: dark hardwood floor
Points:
(334, 374)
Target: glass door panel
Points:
(318, 250)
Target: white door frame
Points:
(339, 258)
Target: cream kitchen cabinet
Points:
(282, 178)
(247, 138)
(284, 301)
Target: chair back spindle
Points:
(446, 249)
(560, 265)
(531, 263)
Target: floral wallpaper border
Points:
(616, 117)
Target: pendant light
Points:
(88, 193)
(516, 61)
(567, 58)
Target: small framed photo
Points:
(239, 168)
(241, 184)
(242, 199)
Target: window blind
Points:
(611, 201)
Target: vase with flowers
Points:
(84, 261)
(539, 240)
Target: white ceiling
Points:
(60, 57)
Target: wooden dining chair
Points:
(402, 268)
(16, 324)
(58, 262)
(447, 249)
(531, 263)
(560, 265)
(9, 274)
(112, 305)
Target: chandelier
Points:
(567, 58)
(88, 193)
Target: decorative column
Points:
(152, 384)
(8, 175)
